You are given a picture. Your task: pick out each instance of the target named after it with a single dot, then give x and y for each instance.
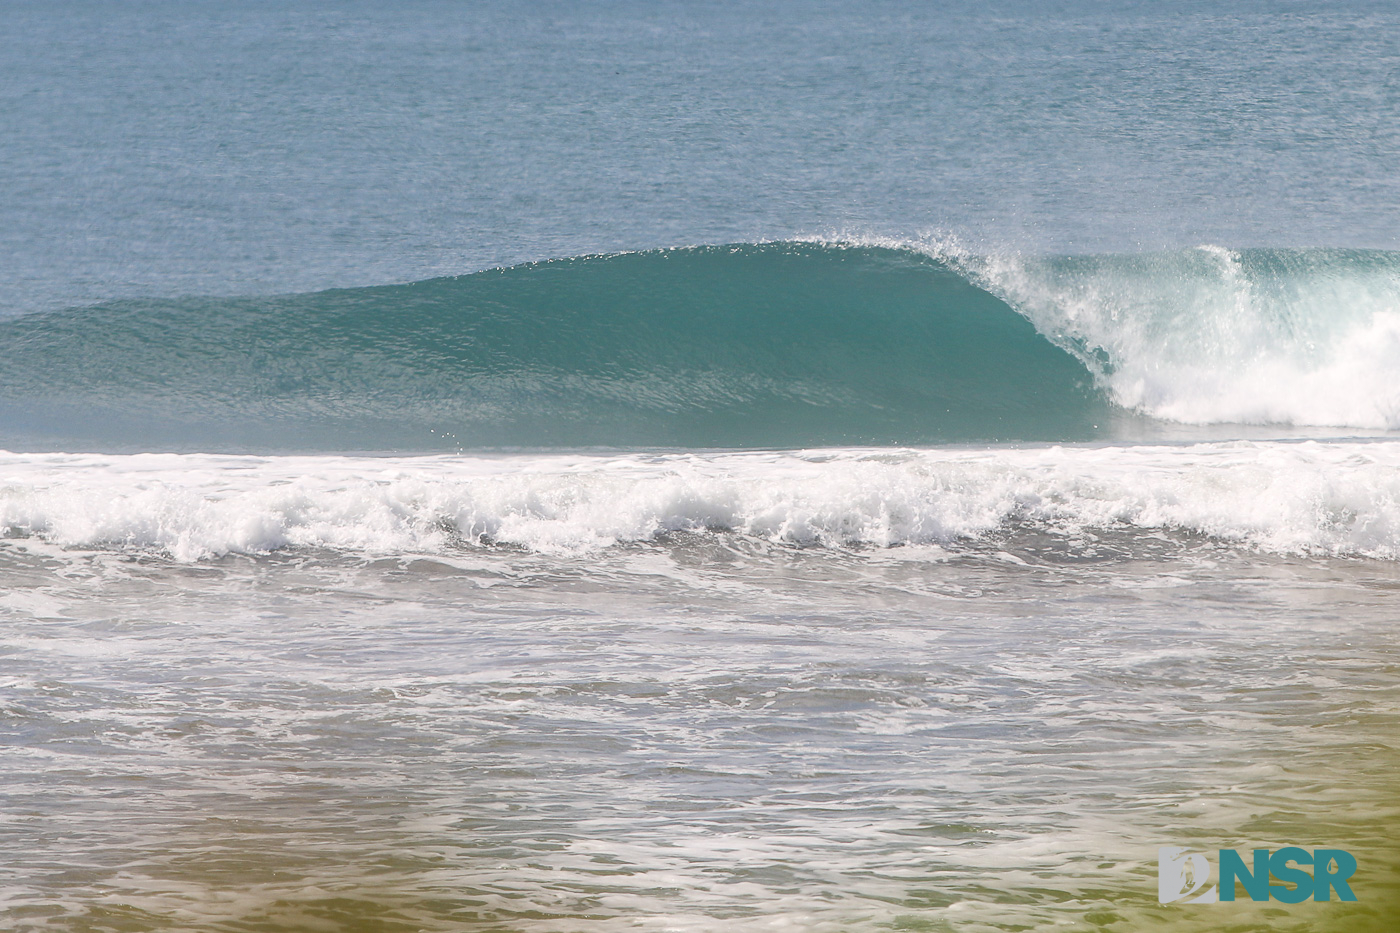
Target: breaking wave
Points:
(776, 345)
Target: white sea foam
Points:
(1211, 335)
(1304, 497)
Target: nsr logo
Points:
(1182, 874)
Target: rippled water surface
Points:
(431, 492)
(696, 733)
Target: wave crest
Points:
(772, 345)
(1212, 335)
(781, 344)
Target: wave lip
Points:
(1334, 499)
(1211, 335)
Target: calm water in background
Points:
(661, 686)
(218, 148)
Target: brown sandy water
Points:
(697, 734)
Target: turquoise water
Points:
(783, 344)
(777, 345)
(694, 467)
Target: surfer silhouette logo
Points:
(1181, 874)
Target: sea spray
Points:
(782, 344)
(1213, 335)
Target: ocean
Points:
(780, 466)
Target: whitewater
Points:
(820, 583)
(1305, 498)
(768, 344)
(1208, 335)
(652, 466)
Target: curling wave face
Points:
(1211, 335)
(775, 345)
(1334, 499)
